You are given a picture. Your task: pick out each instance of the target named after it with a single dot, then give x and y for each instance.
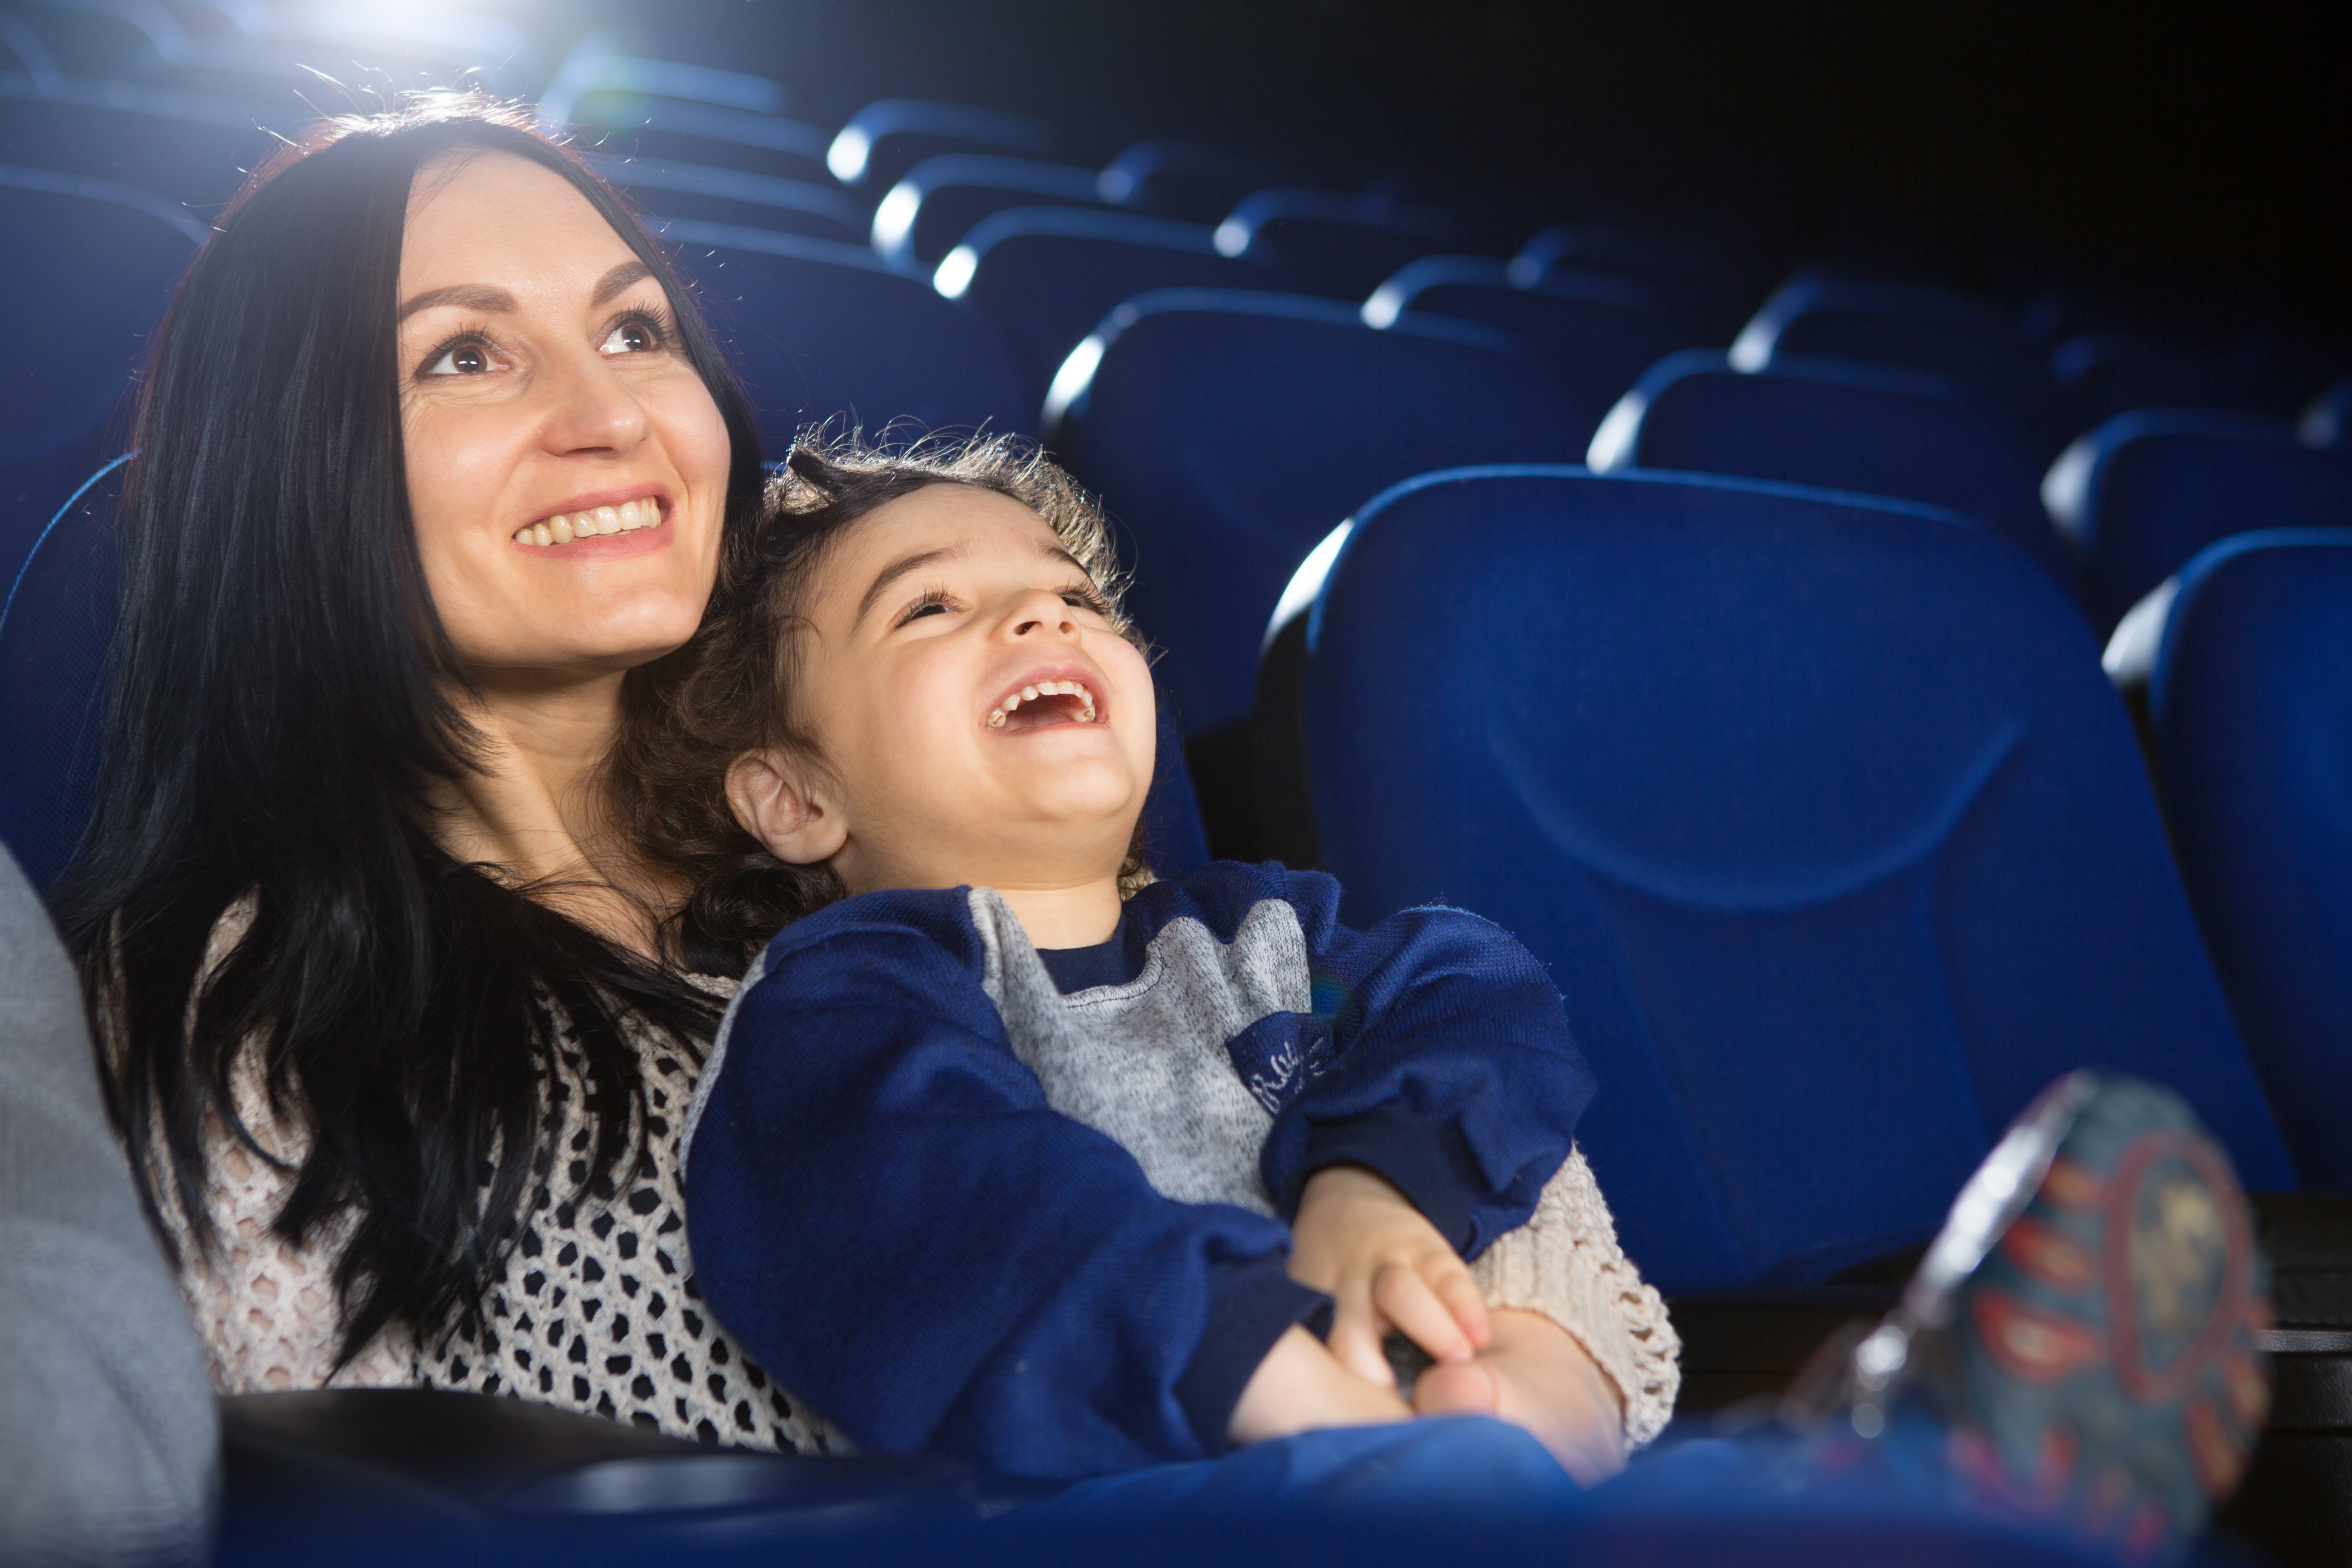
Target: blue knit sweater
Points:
(1030, 1210)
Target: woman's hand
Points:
(1534, 1374)
(1385, 1267)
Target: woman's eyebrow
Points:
(473, 295)
(632, 270)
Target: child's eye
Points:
(1085, 599)
(929, 605)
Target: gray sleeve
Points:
(109, 1440)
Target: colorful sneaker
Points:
(2082, 1331)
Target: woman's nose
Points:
(593, 412)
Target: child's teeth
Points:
(996, 719)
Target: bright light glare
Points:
(894, 220)
(1752, 349)
(954, 275)
(1070, 382)
(1232, 238)
(847, 157)
(1306, 582)
(1612, 444)
(1385, 306)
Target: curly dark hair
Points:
(738, 688)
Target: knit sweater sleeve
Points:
(265, 1309)
(1565, 1263)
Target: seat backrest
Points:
(1838, 424)
(101, 261)
(1343, 245)
(1182, 180)
(886, 139)
(714, 194)
(938, 201)
(1227, 432)
(2251, 707)
(1598, 333)
(2145, 491)
(823, 332)
(670, 130)
(1044, 276)
(57, 619)
(1831, 830)
(184, 147)
(2327, 422)
(1975, 342)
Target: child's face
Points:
(934, 620)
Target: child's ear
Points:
(773, 799)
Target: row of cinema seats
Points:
(1803, 776)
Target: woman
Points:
(439, 469)
(357, 804)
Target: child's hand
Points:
(1385, 1267)
(1298, 1387)
(1533, 1373)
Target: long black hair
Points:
(279, 716)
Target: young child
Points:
(1010, 1152)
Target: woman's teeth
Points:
(1046, 688)
(626, 518)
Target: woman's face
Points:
(543, 386)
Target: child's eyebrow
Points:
(896, 570)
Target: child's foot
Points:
(2084, 1325)
(1534, 1375)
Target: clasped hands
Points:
(1386, 1268)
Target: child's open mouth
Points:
(1047, 702)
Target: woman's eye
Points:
(631, 337)
(464, 358)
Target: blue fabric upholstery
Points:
(820, 331)
(101, 261)
(1598, 333)
(1173, 840)
(1839, 425)
(941, 198)
(884, 140)
(56, 616)
(183, 146)
(2327, 422)
(1044, 276)
(715, 194)
(2144, 492)
(1343, 245)
(1227, 432)
(2252, 710)
(1975, 342)
(1820, 810)
(1182, 180)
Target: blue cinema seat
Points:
(1700, 283)
(669, 110)
(1343, 245)
(2251, 710)
(184, 147)
(938, 200)
(1184, 180)
(822, 332)
(1820, 810)
(1977, 343)
(715, 194)
(2145, 491)
(1227, 432)
(94, 264)
(884, 140)
(1839, 425)
(2327, 422)
(1044, 276)
(56, 617)
(1598, 333)
(2102, 375)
